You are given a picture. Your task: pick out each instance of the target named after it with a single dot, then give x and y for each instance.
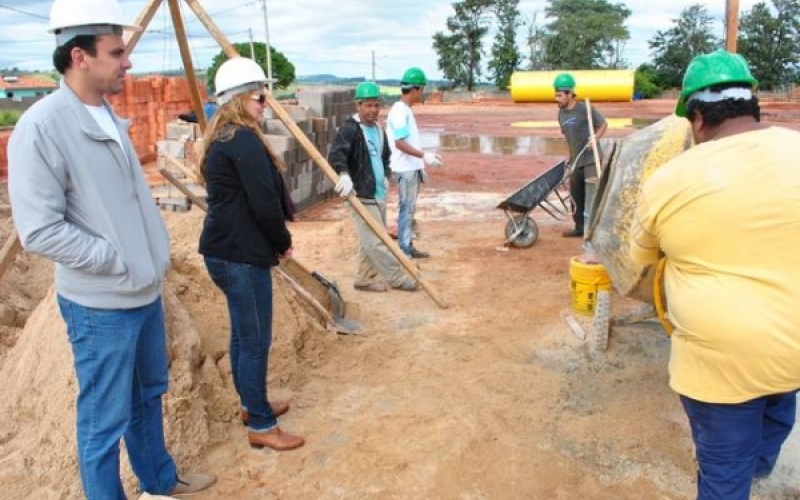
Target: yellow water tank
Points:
(597, 85)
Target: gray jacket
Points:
(79, 200)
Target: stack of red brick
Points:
(150, 103)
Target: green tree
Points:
(771, 42)
(461, 51)
(505, 54)
(282, 69)
(674, 48)
(586, 34)
(645, 81)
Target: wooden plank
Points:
(188, 65)
(188, 172)
(374, 225)
(731, 25)
(143, 20)
(11, 249)
(201, 203)
(212, 28)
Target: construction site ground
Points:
(493, 398)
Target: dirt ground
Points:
(493, 398)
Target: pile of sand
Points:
(37, 441)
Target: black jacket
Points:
(349, 153)
(246, 220)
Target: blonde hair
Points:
(229, 118)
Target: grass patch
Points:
(9, 118)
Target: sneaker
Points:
(148, 496)
(574, 233)
(419, 254)
(407, 287)
(372, 287)
(192, 483)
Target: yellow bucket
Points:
(585, 281)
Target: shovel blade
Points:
(345, 326)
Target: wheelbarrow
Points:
(634, 160)
(521, 230)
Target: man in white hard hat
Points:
(79, 198)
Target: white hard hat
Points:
(237, 75)
(71, 18)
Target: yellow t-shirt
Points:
(727, 215)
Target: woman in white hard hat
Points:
(244, 235)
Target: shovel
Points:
(335, 321)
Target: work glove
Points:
(423, 176)
(345, 185)
(432, 159)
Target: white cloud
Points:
(318, 36)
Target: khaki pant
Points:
(374, 258)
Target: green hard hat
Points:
(564, 81)
(707, 70)
(415, 77)
(367, 90)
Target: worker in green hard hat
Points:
(726, 214)
(360, 155)
(408, 159)
(574, 122)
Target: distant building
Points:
(25, 87)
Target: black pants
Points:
(577, 190)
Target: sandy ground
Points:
(491, 398)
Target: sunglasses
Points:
(261, 98)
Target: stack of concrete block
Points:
(181, 143)
(318, 114)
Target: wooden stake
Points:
(212, 28)
(731, 25)
(593, 139)
(201, 204)
(188, 172)
(331, 174)
(143, 20)
(188, 66)
(9, 252)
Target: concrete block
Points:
(314, 100)
(298, 113)
(176, 149)
(181, 131)
(274, 126)
(280, 143)
(320, 124)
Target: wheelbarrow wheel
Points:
(601, 323)
(521, 231)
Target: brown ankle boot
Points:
(278, 409)
(275, 439)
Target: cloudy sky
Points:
(318, 36)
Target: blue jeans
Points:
(248, 290)
(121, 366)
(408, 190)
(736, 442)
